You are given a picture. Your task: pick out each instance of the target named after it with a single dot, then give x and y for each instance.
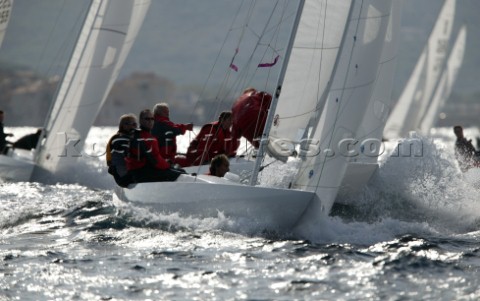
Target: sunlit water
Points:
(411, 234)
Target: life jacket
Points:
(144, 150)
(110, 148)
(166, 132)
(210, 141)
(250, 113)
(118, 148)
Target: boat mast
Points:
(273, 105)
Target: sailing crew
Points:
(144, 161)
(250, 113)
(465, 152)
(29, 141)
(219, 166)
(165, 131)
(214, 138)
(118, 149)
(3, 135)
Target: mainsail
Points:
(109, 31)
(310, 67)
(338, 99)
(445, 84)
(381, 101)
(416, 96)
(5, 13)
(367, 145)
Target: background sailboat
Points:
(416, 96)
(445, 83)
(104, 42)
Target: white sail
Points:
(416, 96)
(310, 66)
(109, 31)
(344, 96)
(368, 142)
(381, 102)
(444, 88)
(325, 162)
(5, 14)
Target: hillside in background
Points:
(175, 51)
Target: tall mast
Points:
(273, 105)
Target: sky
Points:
(180, 38)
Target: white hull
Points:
(206, 196)
(17, 166)
(356, 177)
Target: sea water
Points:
(411, 234)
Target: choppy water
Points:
(412, 234)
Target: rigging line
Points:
(247, 173)
(247, 20)
(217, 58)
(276, 36)
(259, 37)
(255, 48)
(244, 73)
(48, 41)
(245, 77)
(264, 30)
(62, 49)
(242, 34)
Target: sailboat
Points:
(445, 83)
(417, 94)
(108, 32)
(368, 145)
(337, 45)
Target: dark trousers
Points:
(150, 174)
(122, 181)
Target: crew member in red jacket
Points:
(166, 131)
(214, 138)
(144, 161)
(250, 113)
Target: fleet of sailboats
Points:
(417, 96)
(330, 107)
(445, 83)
